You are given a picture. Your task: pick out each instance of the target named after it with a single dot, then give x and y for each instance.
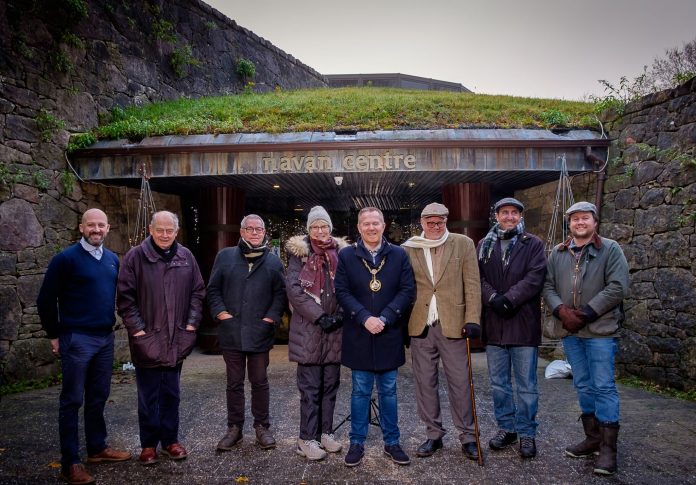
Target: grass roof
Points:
(330, 109)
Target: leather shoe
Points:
(175, 451)
(527, 447)
(502, 439)
(109, 454)
(148, 456)
(264, 437)
(470, 451)
(77, 475)
(429, 447)
(231, 438)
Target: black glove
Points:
(588, 314)
(471, 330)
(329, 323)
(502, 306)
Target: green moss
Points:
(327, 109)
(181, 59)
(47, 124)
(28, 385)
(659, 389)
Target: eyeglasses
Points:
(260, 230)
(159, 231)
(433, 225)
(324, 228)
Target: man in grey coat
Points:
(246, 294)
(585, 285)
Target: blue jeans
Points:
(514, 414)
(86, 364)
(592, 363)
(361, 394)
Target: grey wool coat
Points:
(308, 344)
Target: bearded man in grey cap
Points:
(446, 312)
(513, 266)
(586, 283)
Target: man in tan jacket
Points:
(446, 312)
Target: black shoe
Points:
(354, 455)
(397, 454)
(502, 440)
(527, 447)
(429, 447)
(470, 450)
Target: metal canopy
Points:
(389, 169)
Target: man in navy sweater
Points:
(76, 305)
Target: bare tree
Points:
(675, 67)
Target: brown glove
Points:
(571, 319)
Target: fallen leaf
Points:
(54, 464)
(242, 479)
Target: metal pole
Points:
(473, 403)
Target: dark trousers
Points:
(86, 362)
(318, 385)
(256, 363)
(158, 405)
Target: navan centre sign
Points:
(386, 161)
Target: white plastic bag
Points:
(558, 369)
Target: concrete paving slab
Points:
(656, 443)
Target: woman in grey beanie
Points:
(315, 331)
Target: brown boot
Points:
(231, 438)
(606, 463)
(590, 445)
(77, 475)
(264, 437)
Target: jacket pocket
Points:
(185, 341)
(261, 336)
(553, 328)
(606, 325)
(145, 349)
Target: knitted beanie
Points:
(318, 213)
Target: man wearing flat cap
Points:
(446, 312)
(586, 283)
(513, 266)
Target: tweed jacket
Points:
(308, 344)
(602, 284)
(457, 287)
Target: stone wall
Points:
(62, 73)
(649, 207)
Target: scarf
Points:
(251, 253)
(166, 254)
(323, 255)
(426, 245)
(492, 237)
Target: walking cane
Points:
(473, 403)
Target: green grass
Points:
(21, 386)
(358, 109)
(658, 389)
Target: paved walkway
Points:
(656, 445)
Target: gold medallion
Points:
(375, 284)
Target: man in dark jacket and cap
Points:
(160, 298)
(513, 267)
(375, 287)
(246, 294)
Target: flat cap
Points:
(508, 201)
(435, 209)
(582, 207)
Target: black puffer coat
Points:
(308, 343)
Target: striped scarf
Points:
(492, 237)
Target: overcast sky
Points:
(551, 49)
